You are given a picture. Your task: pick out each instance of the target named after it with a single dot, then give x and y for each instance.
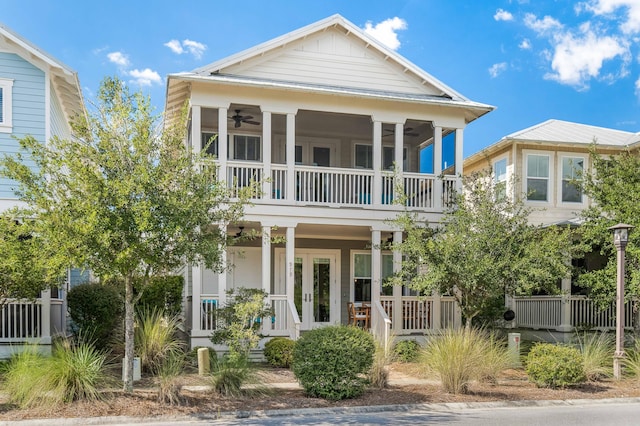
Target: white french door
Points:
(315, 292)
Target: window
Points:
(364, 157)
(500, 178)
(362, 276)
(572, 168)
(210, 143)
(537, 177)
(6, 89)
(246, 148)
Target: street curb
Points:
(300, 412)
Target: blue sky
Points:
(533, 60)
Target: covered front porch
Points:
(311, 278)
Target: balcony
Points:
(337, 187)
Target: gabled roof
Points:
(246, 68)
(563, 133)
(64, 80)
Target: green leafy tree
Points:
(613, 185)
(124, 197)
(27, 266)
(483, 248)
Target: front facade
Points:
(38, 97)
(337, 129)
(542, 164)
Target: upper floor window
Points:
(364, 157)
(210, 143)
(246, 148)
(6, 95)
(537, 177)
(500, 178)
(572, 168)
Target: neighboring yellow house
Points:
(545, 160)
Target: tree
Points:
(27, 266)
(613, 186)
(483, 248)
(125, 198)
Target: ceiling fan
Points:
(407, 132)
(239, 119)
(240, 231)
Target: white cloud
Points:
(503, 15)
(525, 44)
(145, 77)
(497, 69)
(118, 58)
(386, 31)
(543, 25)
(576, 59)
(175, 46)
(631, 24)
(194, 47)
(187, 46)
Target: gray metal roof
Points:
(574, 133)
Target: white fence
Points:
(421, 314)
(552, 312)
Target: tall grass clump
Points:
(597, 352)
(155, 339)
(168, 377)
(73, 372)
(382, 357)
(461, 356)
(632, 360)
(230, 373)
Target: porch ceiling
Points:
(316, 231)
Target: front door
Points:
(315, 293)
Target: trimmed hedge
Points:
(555, 366)
(406, 350)
(96, 310)
(279, 351)
(162, 293)
(331, 362)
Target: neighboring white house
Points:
(320, 116)
(546, 159)
(38, 97)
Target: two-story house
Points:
(543, 163)
(333, 124)
(38, 97)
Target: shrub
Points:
(279, 352)
(240, 321)
(163, 293)
(155, 339)
(597, 351)
(554, 366)
(329, 362)
(96, 310)
(73, 372)
(461, 356)
(406, 351)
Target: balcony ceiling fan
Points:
(239, 119)
(408, 131)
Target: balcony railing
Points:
(342, 187)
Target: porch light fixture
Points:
(620, 240)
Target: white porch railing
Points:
(546, 312)
(340, 186)
(21, 321)
(419, 314)
(209, 304)
(285, 321)
(380, 324)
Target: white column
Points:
(291, 157)
(565, 314)
(45, 300)
(196, 304)
(376, 266)
(436, 312)
(459, 159)
(437, 166)
(376, 196)
(398, 158)
(196, 128)
(223, 154)
(266, 259)
(266, 154)
(396, 320)
(222, 275)
(290, 249)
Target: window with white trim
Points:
(572, 168)
(246, 147)
(362, 275)
(500, 178)
(6, 105)
(364, 157)
(537, 177)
